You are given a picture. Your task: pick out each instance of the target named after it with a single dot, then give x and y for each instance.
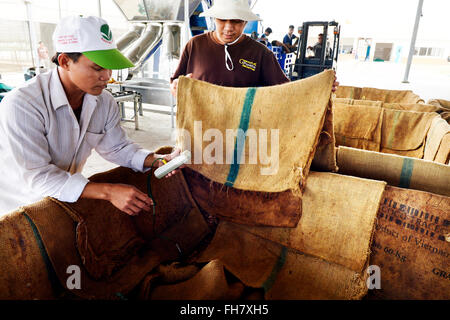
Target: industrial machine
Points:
(158, 30)
(310, 59)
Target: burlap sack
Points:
(390, 96)
(102, 252)
(348, 92)
(419, 107)
(115, 261)
(444, 104)
(208, 284)
(281, 209)
(325, 156)
(443, 155)
(404, 132)
(23, 273)
(283, 273)
(436, 146)
(446, 116)
(358, 126)
(384, 130)
(176, 272)
(266, 108)
(337, 221)
(359, 102)
(373, 94)
(58, 242)
(396, 170)
(412, 245)
(343, 100)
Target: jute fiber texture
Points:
(282, 209)
(113, 250)
(208, 284)
(296, 111)
(358, 127)
(419, 107)
(397, 171)
(282, 272)
(437, 147)
(412, 245)
(337, 221)
(404, 132)
(446, 116)
(385, 130)
(325, 156)
(374, 94)
(24, 275)
(445, 104)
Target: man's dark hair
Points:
(269, 30)
(74, 56)
(320, 34)
(291, 27)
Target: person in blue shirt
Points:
(289, 37)
(265, 36)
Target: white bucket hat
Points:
(231, 10)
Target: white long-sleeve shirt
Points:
(43, 148)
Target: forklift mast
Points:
(308, 66)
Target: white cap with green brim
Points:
(92, 37)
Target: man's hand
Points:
(174, 85)
(152, 157)
(124, 197)
(336, 83)
(129, 199)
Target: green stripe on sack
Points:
(56, 286)
(405, 176)
(267, 285)
(241, 136)
(392, 132)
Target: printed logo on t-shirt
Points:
(248, 64)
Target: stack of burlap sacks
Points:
(227, 232)
(394, 136)
(392, 121)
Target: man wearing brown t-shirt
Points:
(254, 65)
(226, 56)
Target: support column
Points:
(32, 35)
(413, 41)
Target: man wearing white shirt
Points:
(49, 126)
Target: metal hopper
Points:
(155, 27)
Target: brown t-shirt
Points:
(254, 64)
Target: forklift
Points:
(321, 56)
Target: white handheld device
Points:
(184, 157)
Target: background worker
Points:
(50, 125)
(264, 39)
(43, 56)
(317, 48)
(276, 43)
(289, 37)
